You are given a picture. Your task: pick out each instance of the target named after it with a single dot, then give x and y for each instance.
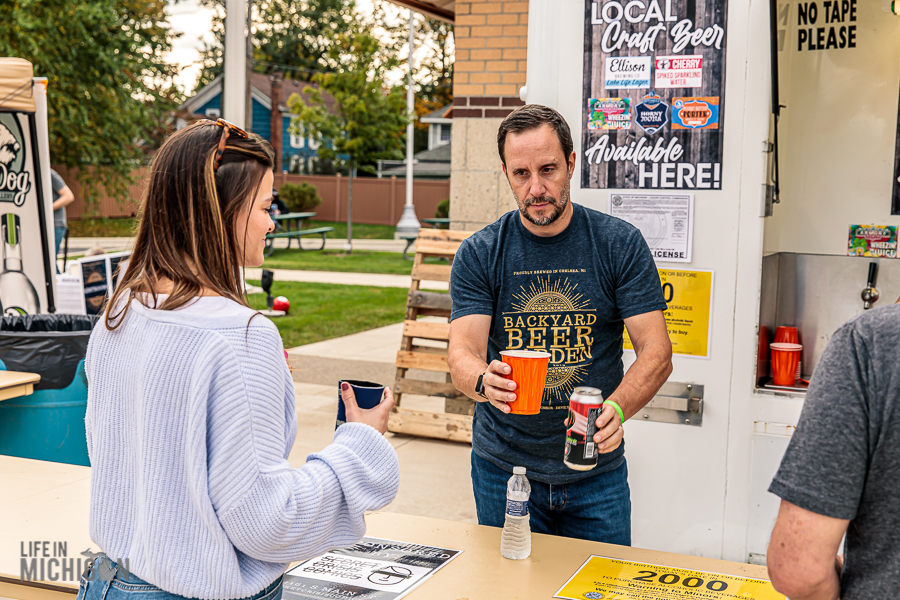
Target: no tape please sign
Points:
(689, 296)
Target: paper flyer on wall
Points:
(603, 577)
(665, 221)
(689, 295)
(653, 96)
(373, 569)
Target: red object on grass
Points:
(281, 303)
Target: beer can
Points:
(585, 405)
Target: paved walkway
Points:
(435, 477)
(367, 279)
(81, 245)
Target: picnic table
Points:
(283, 229)
(437, 222)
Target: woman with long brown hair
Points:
(191, 408)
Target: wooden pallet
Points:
(455, 423)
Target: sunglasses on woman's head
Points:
(227, 130)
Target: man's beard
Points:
(558, 205)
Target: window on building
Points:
(446, 133)
(297, 141)
(213, 113)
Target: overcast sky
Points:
(195, 24)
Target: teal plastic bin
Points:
(48, 424)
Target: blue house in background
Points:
(298, 153)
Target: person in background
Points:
(841, 472)
(191, 412)
(278, 205)
(559, 277)
(62, 197)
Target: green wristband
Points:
(618, 409)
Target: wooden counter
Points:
(480, 572)
(43, 501)
(14, 384)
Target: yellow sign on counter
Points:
(689, 296)
(613, 579)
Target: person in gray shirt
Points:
(62, 197)
(841, 472)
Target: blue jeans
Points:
(60, 233)
(104, 580)
(597, 508)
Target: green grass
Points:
(359, 261)
(101, 227)
(360, 231)
(321, 311)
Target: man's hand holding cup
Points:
(497, 389)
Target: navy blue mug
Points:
(368, 395)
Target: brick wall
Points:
(490, 66)
(491, 50)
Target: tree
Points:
(367, 121)
(434, 62)
(111, 95)
(291, 35)
(433, 72)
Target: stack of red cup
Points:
(786, 356)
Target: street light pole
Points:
(409, 224)
(248, 94)
(235, 68)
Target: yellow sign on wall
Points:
(614, 579)
(689, 296)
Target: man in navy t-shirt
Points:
(560, 278)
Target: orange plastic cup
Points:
(786, 334)
(529, 371)
(785, 358)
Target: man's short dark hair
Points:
(532, 116)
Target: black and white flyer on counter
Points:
(665, 220)
(373, 569)
(654, 94)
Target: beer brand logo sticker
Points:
(626, 72)
(652, 114)
(609, 113)
(873, 240)
(695, 113)
(15, 181)
(679, 72)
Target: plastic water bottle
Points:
(515, 541)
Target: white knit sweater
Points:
(191, 417)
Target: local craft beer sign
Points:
(654, 85)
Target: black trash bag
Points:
(49, 345)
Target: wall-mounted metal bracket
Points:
(680, 403)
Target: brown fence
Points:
(375, 201)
